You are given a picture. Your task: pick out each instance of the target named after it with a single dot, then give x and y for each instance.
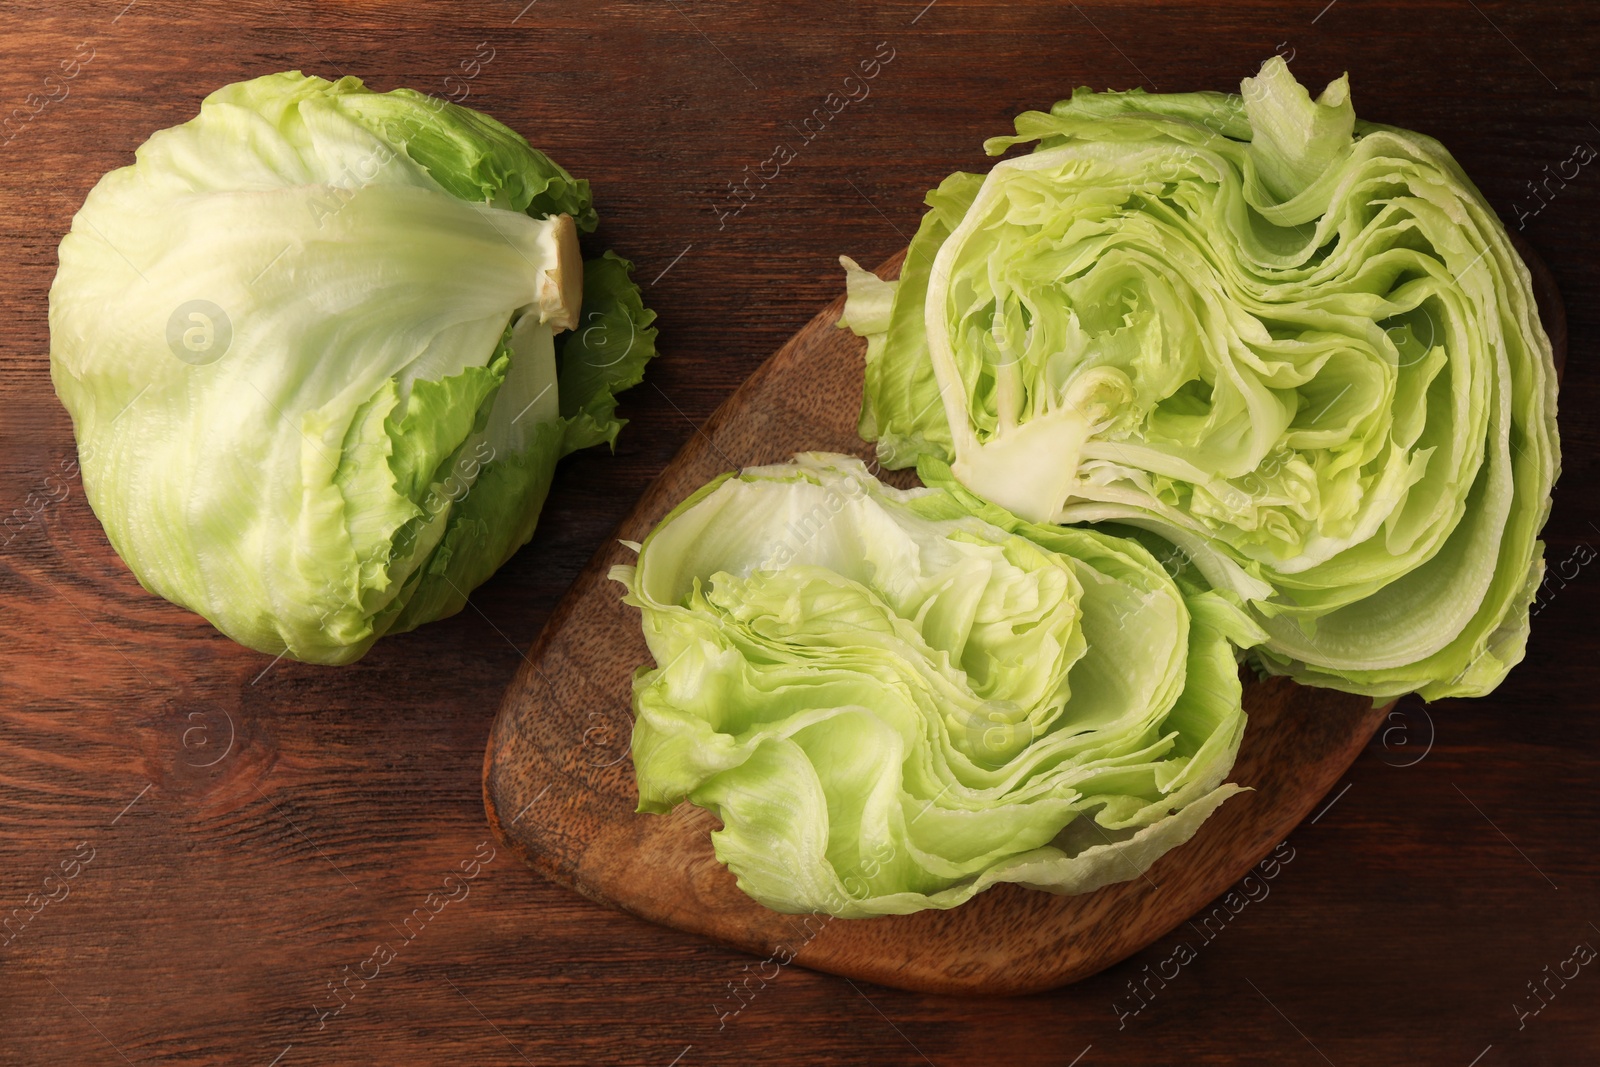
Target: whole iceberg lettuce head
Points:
(309, 345)
(1297, 346)
(892, 703)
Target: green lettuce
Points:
(322, 348)
(892, 703)
(1297, 346)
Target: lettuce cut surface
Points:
(1296, 346)
(892, 703)
(322, 348)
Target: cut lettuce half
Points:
(323, 347)
(892, 703)
(1299, 347)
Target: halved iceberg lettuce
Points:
(1299, 347)
(892, 703)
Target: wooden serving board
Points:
(559, 788)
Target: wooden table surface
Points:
(241, 834)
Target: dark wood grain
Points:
(575, 689)
(218, 907)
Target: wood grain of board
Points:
(566, 720)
